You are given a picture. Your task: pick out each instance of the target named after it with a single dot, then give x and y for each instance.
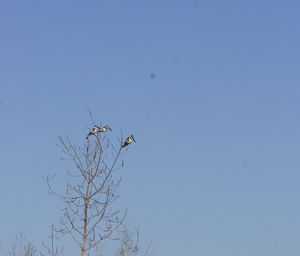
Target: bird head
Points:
(132, 137)
(107, 127)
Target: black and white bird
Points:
(105, 128)
(128, 141)
(93, 131)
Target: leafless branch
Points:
(22, 247)
(52, 249)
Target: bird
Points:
(105, 128)
(128, 141)
(93, 131)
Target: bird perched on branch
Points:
(105, 128)
(96, 129)
(128, 141)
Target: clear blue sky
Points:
(211, 91)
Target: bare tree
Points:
(22, 247)
(89, 216)
(52, 249)
(130, 243)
